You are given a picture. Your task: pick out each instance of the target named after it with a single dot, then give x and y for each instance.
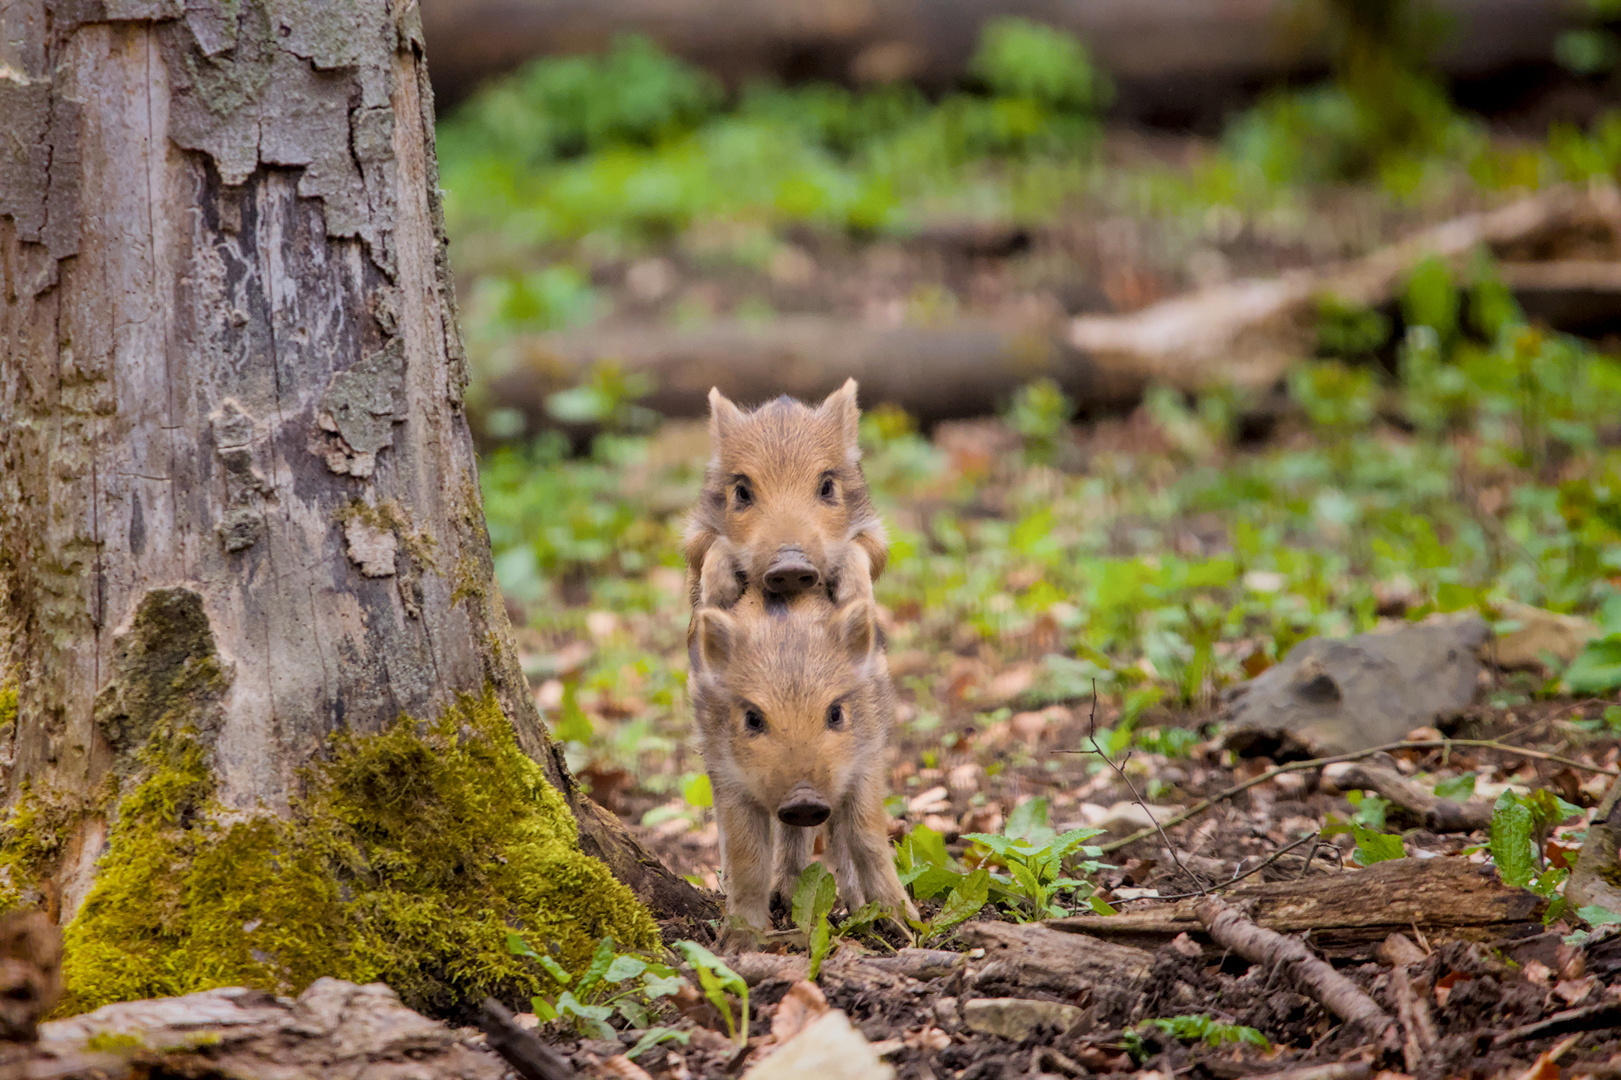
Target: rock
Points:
(1541, 633)
(825, 1049)
(1018, 1018)
(1338, 695)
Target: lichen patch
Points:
(370, 548)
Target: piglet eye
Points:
(753, 721)
(743, 495)
(829, 490)
(835, 716)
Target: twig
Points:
(1092, 737)
(1236, 878)
(1413, 1008)
(529, 1057)
(1316, 763)
(1589, 1018)
(1232, 929)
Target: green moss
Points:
(407, 860)
(32, 840)
(8, 707)
(108, 1042)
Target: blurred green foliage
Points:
(637, 143)
(1485, 467)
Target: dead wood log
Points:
(1243, 333)
(1231, 929)
(335, 1028)
(1350, 913)
(1438, 815)
(1020, 958)
(1598, 865)
(1162, 52)
(523, 1050)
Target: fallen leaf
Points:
(620, 1067)
(799, 1008)
(1546, 1066)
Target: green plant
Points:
(928, 871)
(717, 980)
(1371, 845)
(628, 984)
(1190, 1028)
(1519, 825)
(1594, 49)
(607, 399)
(814, 896)
(1597, 669)
(1033, 854)
(1039, 413)
(1457, 788)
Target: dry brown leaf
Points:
(1546, 1066)
(799, 1008)
(620, 1067)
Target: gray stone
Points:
(1018, 1018)
(1340, 695)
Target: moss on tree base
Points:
(410, 856)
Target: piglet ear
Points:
(857, 624)
(839, 409)
(716, 634)
(724, 417)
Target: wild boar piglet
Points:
(784, 507)
(794, 704)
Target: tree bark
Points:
(231, 390)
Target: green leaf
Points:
(653, 1036)
(1101, 906)
(1378, 847)
(821, 940)
(1597, 670)
(1511, 839)
(554, 969)
(932, 881)
(1598, 915)
(1028, 821)
(657, 986)
(696, 790)
(1457, 788)
(634, 1014)
(517, 946)
(543, 1009)
(601, 960)
(625, 967)
(814, 896)
(964, 901)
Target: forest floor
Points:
(1054, 584)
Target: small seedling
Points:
(716, 980)
(1371, 845)
(629, 985)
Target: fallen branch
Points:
(1587, 1018)
(1348, 914)
(1170, 848)
(1236, 878)
(1316, 763)
(1438, 815)
(1313, 976)
(529, 1057)
(1242, 333)
(1598, 864)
